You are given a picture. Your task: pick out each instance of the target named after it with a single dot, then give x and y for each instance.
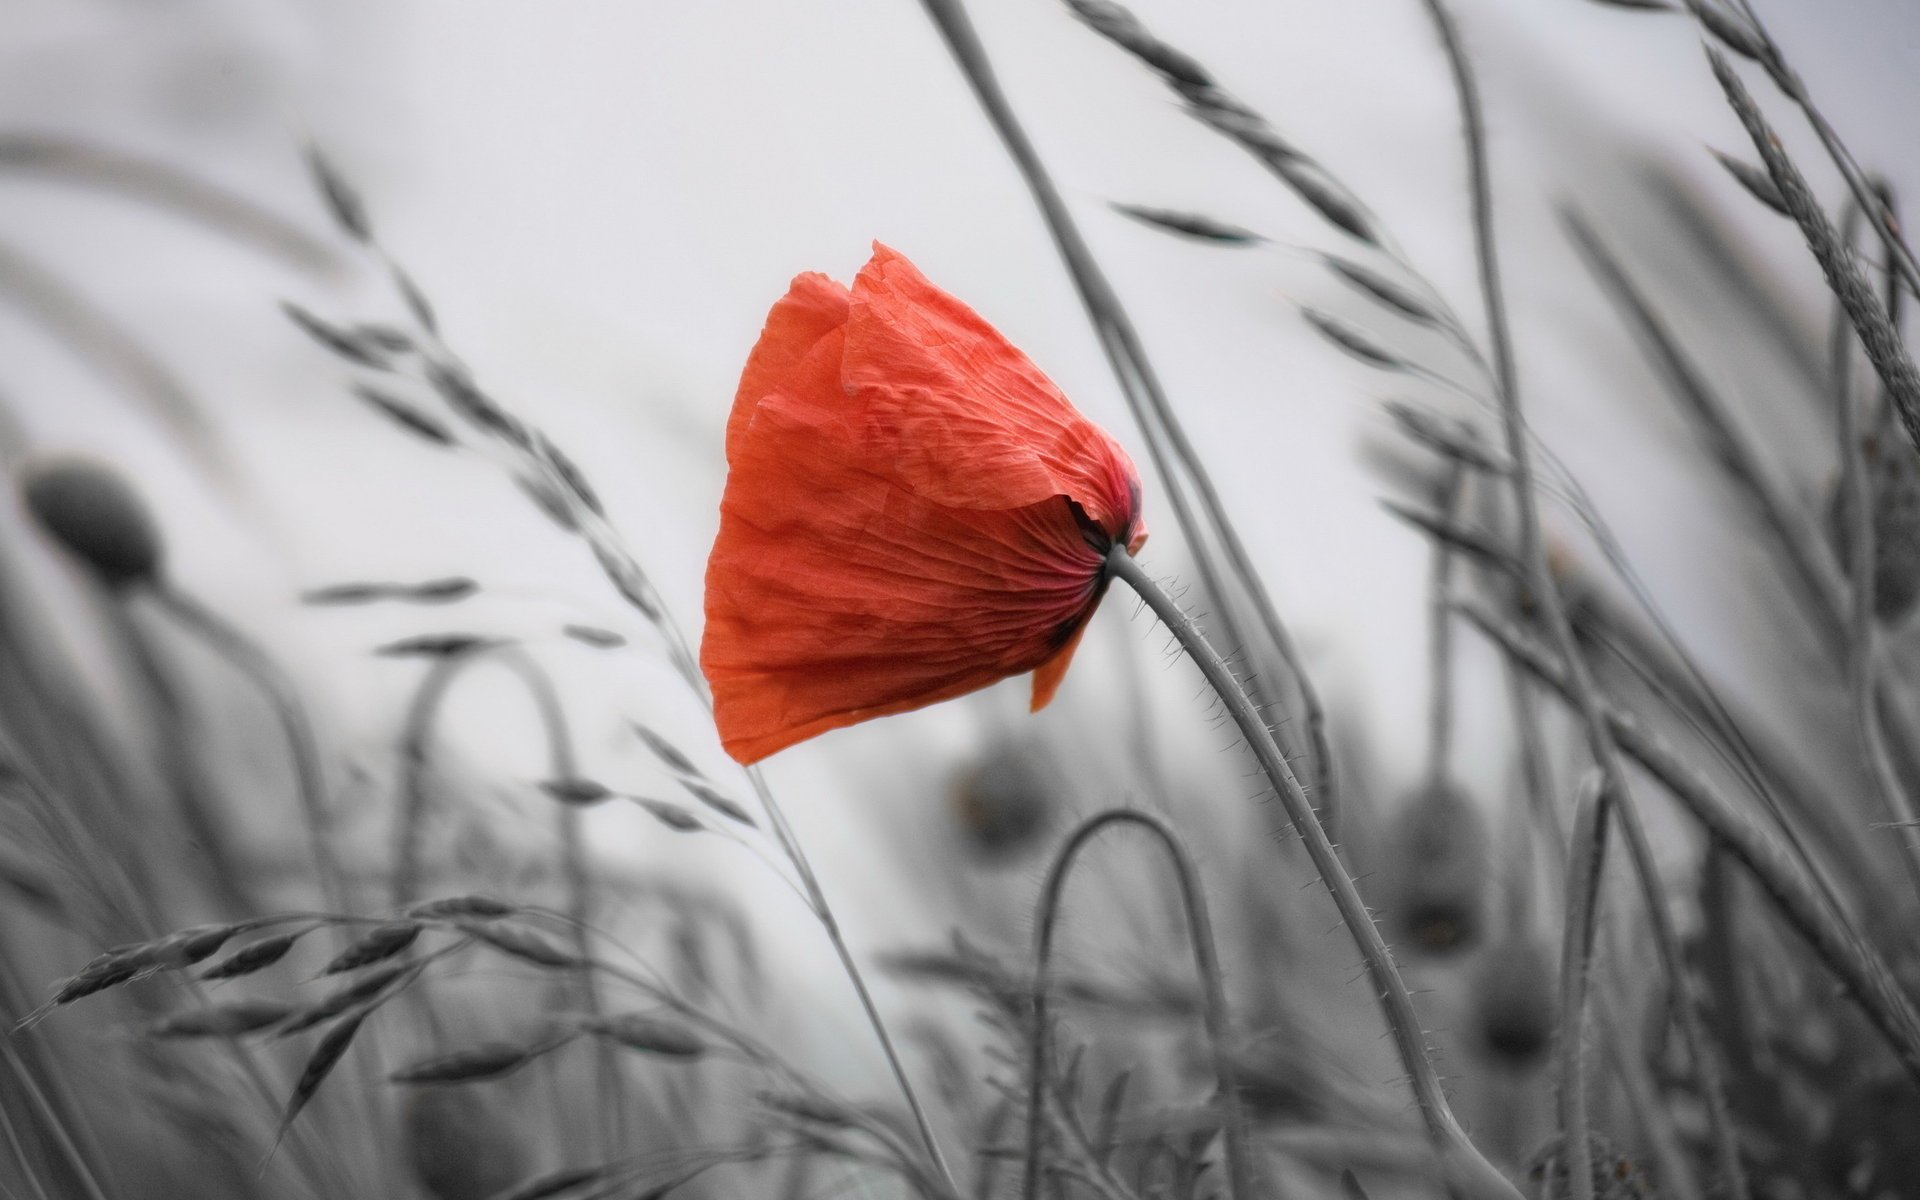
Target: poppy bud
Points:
(1513, 1002)
(1439, 871)
(459, 1145)
(1894, 475)
(91, 511)
(1006, 799)
(1615, 1177)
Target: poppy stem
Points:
(1464, 1165)
(1206, 960)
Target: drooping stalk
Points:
(1465, 1165)
(417, 742)
(310, 782)
(1206, 961)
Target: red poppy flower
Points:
(912, 512)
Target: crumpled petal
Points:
(813, 307)
(968, 418)
(929, 529)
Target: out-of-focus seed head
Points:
(95, 515)
(1513, 998)
(1005, 800)
(460, 1144)
(1615, 1177)
(1438, 866)
(1894, 474)
(1870, 1149)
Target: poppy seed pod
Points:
(1894, 475)
(1438, 868)
(1006, 799)
(1514, 1002)
(92, 512)
(459, 1145)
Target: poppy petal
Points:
(813, 307)
(1048, 675)
(962, 415)
(835, 596)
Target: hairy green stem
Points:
(1465, 1165)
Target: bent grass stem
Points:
(417, 754)
(309, 774)
(1206, 961)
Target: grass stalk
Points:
(1866, 979)
(160, 184)
(1615, 792)
(310, 784)
(1172, 453)
(1206, 961)
(1858, 505)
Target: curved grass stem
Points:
(1467, 1168)
(417, 743)
(309, 775)
(1206, 960)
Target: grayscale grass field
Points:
(1498, 776)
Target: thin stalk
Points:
(1615, 792)
(1856, 489)
(20, 1155)
(51, 1119)
(166, 187)
(1463, 1161)
(1141, 387)
(186, 779)
(1440, 638)
(114, 351)
(823, 913)
(309, 775)
(417, 742)
(1864, 975)
(1586, 864)
(1206, 962)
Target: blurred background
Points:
(603, 198)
